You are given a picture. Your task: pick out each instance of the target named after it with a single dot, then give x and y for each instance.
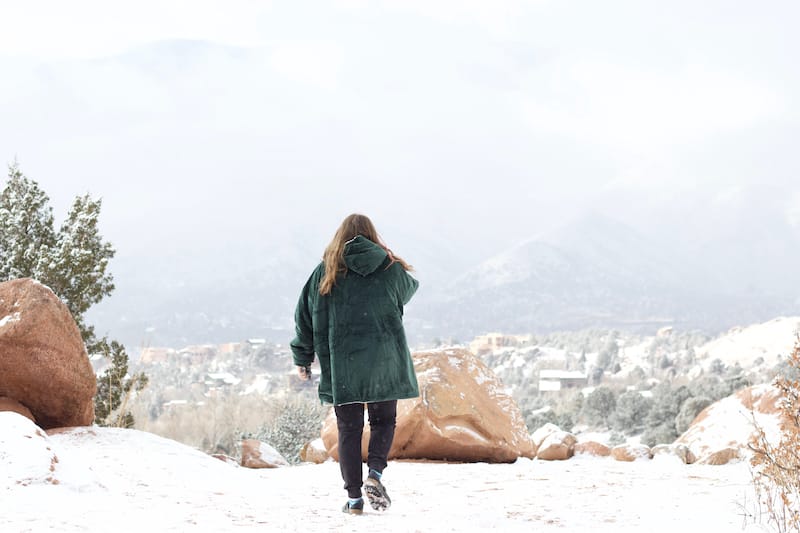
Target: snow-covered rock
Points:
(543, 432)
(26, 454)
(592, 448)
(729, 423)
(630, 452)
(557, 446)
(257, 454)
(314, 452)
(678, 452)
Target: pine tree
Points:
(73, 262)
(26, 227)
(78, 270)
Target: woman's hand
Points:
(304, 372)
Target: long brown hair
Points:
(333, 257)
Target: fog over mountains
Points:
(594, 272)
(543, 165)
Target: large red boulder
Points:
(43, 362)
(462, 414)
(730, 423)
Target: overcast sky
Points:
(209, 126)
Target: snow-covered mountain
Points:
(595, 272)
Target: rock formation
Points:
(729, 423)
(257, 454)
(43, 362)
(462, 414)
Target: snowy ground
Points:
(126, 480)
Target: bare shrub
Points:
(776, 468)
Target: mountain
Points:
(593, 272)
(598, 272)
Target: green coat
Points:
(357, 330)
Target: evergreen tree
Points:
(631, 412)
(73, 262)
(599, 405)
(689, 411)
(27, 238)
(114, 389)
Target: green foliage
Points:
(599, 406)
(689, 411)
(295, 421)
(631, 412)
(661, 434)
(72, 261)
(114, 389)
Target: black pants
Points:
(350, 422)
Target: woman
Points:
(350, 314)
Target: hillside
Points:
(103, 476)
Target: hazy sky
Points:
(212, 126)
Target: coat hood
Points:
(363, 256)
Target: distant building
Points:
(256, 342)
(490, 342)
(556, 380)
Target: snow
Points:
(744, 345)
(732, 425)
(129, 480)
(13, 317)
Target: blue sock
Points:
(354, 501)
(374, 473)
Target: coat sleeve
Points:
(303, 343)
(407, 286)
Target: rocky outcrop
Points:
(595, 449)
(541, 433)
(557, 446)
(680, 452)
(462, 414)
(226, 459)
(552, 443)
(630, 452)
(729, 423)
(7, 404)
(314, 452)
(722, 457)
(257, 454)
(43, 362)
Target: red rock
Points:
(43, 362)
(314, 452)
(558, 446)
(721, 457)
(596, 449)
(729, 423)
(543, 432)
(7, 404)
(676, 450)
(462, 414)
(630, 452)
(257, 454)
(225, 459)
(38, 462)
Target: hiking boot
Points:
(376, 494)
(354, 507)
